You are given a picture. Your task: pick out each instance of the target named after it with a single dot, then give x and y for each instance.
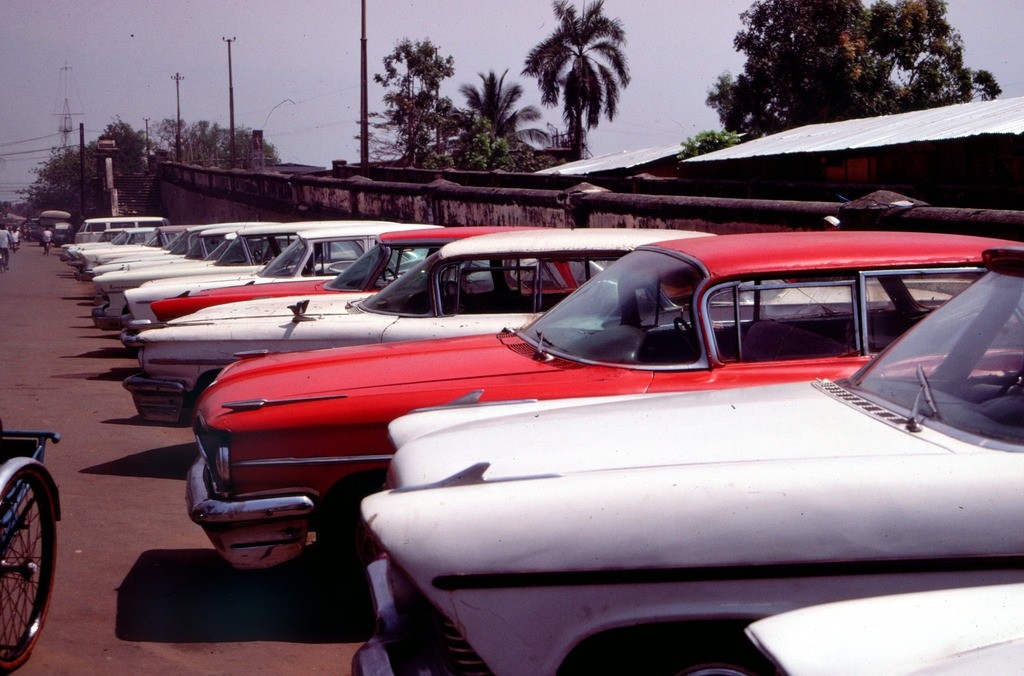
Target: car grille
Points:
(461, 659)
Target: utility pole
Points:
(146, 119)
(231, 106)
(364, 140)
(177, 134)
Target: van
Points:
(93, 227)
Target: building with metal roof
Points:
(964, 154)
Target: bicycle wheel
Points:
(27, 556)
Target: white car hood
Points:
(723, 426)
(130, 279)
(975, 630)
(320, 305)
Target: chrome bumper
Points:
(156, 400)
(248, 533)
(104, 321)
(401, 641)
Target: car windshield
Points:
(638, 311)
(328, 257)
(963, 368)
(410, 294)
(114, 237)
(357, 277)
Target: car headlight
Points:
(215, 445)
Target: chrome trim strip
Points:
(254, 404)
(299, 462)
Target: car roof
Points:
(555, 239)
(772, 252)
(336, 228)
(281, 228)
(126, 219)
(449, 234)
(227, 228)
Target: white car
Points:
(322, 250)
(248, 249)
(968, 631)
(160, 244)
(110, 239)
(471, 286)
(646, 532)
(199, 243)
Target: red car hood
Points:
(313, 388)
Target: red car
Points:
(396, 252)
(291, 442)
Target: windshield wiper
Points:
(542, 354)
(925, 393)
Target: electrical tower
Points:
(65, 126)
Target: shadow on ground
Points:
(193, 596)
(169, 462)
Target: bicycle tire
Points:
(28, 535)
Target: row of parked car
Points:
(558, 451)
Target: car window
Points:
(512, 285)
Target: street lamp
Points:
(231, 106)
(177, 134)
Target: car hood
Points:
(377, 382)
(723, 426)
(782, 475)
(276, 309)
(974, 630)
(131, 278)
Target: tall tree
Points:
(496, 102)
(811, 62)
(582, 63)
(417, 119)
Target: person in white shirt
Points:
(45, 238)
(5, 249)
(15, 239)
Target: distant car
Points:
(643, 534)
(972, 630)
(307, 430)
(247, 249)
(91, 228)
(322, 250)
(396, 252)
(474, 285)
(115, 239)
(160, 244)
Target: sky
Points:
(295, 65)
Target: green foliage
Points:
(706, 142)
(582, 63)
(417, 121)
(812, 62)
(58, 181)
(208, 144)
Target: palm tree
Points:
(582, 63)
(496, 103)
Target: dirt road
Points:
(139, 589)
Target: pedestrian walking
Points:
(15, 239)
(5, 249)
(45, 238)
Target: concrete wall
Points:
(197, 195)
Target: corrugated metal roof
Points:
(937, 124)
(621, 160)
